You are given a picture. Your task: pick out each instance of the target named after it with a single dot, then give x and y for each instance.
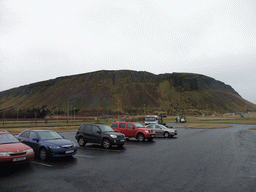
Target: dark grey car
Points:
(99, 133)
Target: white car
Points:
(162, 130)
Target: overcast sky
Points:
(46, 39)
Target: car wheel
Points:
(81, 141)
(166, 134)
(141, 137)
(43, 154)
(106, 143)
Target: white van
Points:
(149, 119)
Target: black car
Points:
(99, 133)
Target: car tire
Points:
(106, 143)
(166, 134)
(141, 137)
(81, 141)
(43, 155)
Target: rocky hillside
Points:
(128, 92)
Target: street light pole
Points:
(74, 114)
(57, 115)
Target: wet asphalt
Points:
(195, 160)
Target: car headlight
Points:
(147, 131)
(113, 136)
(29, 151)
(55, 147)
(4, 154)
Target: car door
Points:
(87, 133)
(96, 134)
(158, 130)
(122, 129)
(130, 130)
(23, 137)
(33, 141)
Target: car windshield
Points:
(138, 125)
(7, 138)
(162, 126)
(150, 119)
(45, 135)
(106, 128)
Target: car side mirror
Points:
(35, 139)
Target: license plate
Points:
(71, 151)
(19, 159)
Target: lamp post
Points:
(74, 114)
(57, 115)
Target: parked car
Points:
(162, 130)
(12, 151)
(47, 143)
(132, 129)
(99, 133)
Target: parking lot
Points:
(195, 160)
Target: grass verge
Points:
(204, 126)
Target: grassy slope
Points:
(176, 93)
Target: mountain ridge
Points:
(126, 91)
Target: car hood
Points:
(58, 142)
(170, 129)
(13, 147)
(113, 133)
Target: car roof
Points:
(3, 132)
(39, 130)
(124, 122)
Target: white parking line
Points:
(41, 164)
(85, 156)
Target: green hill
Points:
(127, 92)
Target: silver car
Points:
(162, 130)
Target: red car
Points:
(131, 129)
(12, 151)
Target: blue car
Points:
(48, 143)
